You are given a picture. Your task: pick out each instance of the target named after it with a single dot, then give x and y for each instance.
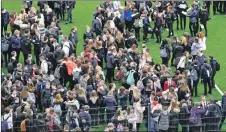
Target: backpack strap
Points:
(6, 118)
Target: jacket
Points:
(46, 94)
(204, 17)
(9, 119)
(74, 37)
(128, 15)
(110, 103)
(15, 41)
(184, 116)
(174, 117)
(26, 45)
(193, 15)
(97, 25)
(139, 111)
(223, 104)
(166, 85)
(178, 51)
(123, 98)
(199, 112)
(5, 18)
(44, 67)
(213, 63)
(203, 73)
(195, 48)
(58, 54)
(110, 60)
(200, 59)
(85, 115)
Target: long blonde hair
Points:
(184, 41)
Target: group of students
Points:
(62, 90)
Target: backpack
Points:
(5, 45)
(194, 74)
(57, 72)
(130, 79)
(138, 23)
(76, 76)
(217, 113)
(193, 119)
(188, 65)
(140, 84)
(57, 109)
(163, 53)
(173, 16)
(206, 71)
(218, 67)
(4, 124)
(119, 74)
(10, 67)
(39, 125)
(72, 48)
(164, 121)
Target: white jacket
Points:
(9, 120)
(139, 111)
(202, 42)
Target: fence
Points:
(100, 117)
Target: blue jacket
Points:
(123, 99)
(86, 116)
(128, 15)
(146, 22)
(110, 103)
(15, 41)
(5, 18)
(193, 15)
(201, 60)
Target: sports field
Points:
(216, 41)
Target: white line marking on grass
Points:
(218, 89)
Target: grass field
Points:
(216, 41)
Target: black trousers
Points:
(110, 74)
(222, 121)
(220, 9)
(174, 129)
(215, 7)
(182, 21)
(192, 27)
(213, 81)
(158, 34)
(170, 26)
(145, 33)
(165, 61)
(224, 7)
(207, 81)
(177, 20)
(101, 115)
(25, 58)
(129, 25)
(205, 27)
(137, 33)
(58, 13)
(7, 56)
(110, 114)
(4, 28)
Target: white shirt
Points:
(66, 48)
(181, 63)
(9, 120)
(116, 5)
(202, 42)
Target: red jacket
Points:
(166, 85)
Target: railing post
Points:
(69, 120)
(12, 121)
(149, 110)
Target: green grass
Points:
(82, 16)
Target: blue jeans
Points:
(69, 15)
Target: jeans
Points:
(110, 74)
(170, 26)
(192, 27)
(137, 33)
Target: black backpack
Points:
(218, 67)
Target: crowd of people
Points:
(63, 90)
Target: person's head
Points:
(74, 29)
(184, 41)
(47, 85)
(169, 8)
(87, 28)
(17, 33)
(201, 35)
(212, 100)
(13, 53)
(94, 93)
(42, 58)
(110, 126)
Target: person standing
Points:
(97, 25)
(74, 38)
(206, 75)
(26, 45)
(223, 105)
(165, 50)
(138, 23)
(203, 19)
(213, 63)
(170, 17)
(146, 26)
(128, 17)
(110, 66)
(193, 20)
(182, 7)
(16, 44)
(70, 5)
(4, 20)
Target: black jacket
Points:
(178, 51)
(204, 17)
(213, 64)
